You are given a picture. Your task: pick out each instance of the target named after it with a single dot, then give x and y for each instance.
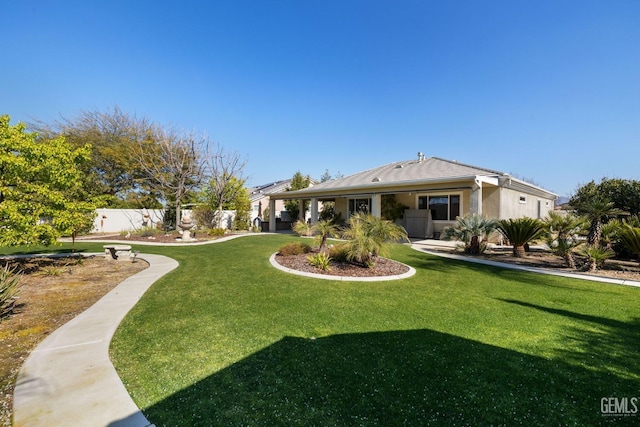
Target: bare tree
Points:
(225, 169)
(173, 163)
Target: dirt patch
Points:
(53, 291)
(173, 237)
(612, 268)
(382, 267)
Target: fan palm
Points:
(597, 210)
(562, 235)
(472, 230)
(519, 232)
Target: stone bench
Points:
(118, 252)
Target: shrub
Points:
(596, 256)
(9, 289)
(320, 260)
(630, 238)
(217, 232)
(149, 232)
(367, 236)
(338, 252)
(295, 248)
(519, 232)
(301, 228)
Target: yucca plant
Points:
(473, 230)
(519, 232)
(630, 237)
(596, 256)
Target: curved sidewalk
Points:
(69, 380)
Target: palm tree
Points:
(562, 235)
(323, 230)
(367, 236)
(472, 230)
(597, 210)
(630, 237)
(596, 256)
(519, 232)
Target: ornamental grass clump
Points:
(9, 290)
(320, 260)
(295, 248)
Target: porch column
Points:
(314, 211)
(272, 215)
(376, 205)
(301, 210)
(475, 206)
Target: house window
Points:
(523, 199)
(359, 205)
(444, 207)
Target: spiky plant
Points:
(562, 232)
(301, 228)
(630, 237)
(9, 289)
(472, 230)
(367, 235)
(596, 256)
(519, 232)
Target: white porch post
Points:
(272, 215)
(376, 205)
(475, 204)
(314, 211)
(301, 210)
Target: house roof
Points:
(412, 172)
(257, 193)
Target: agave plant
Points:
(472, 230)
(562, 235)
(630, 237)
(519, 232)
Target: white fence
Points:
(119, 220)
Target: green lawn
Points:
(228, 340)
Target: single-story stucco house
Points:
(433, 191)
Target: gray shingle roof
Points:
(410, 170)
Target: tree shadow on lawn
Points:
(415, 377)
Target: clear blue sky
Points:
(546, 90)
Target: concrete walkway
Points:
(68, 380)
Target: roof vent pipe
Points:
(420, 156)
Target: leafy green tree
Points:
(298, 182)
(37, 182)
(242, 206)
(113, 177)
(473, 230)
(367, 237)
(519, 232)
(562, 235)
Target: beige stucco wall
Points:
(491, 202)
(533, 206)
